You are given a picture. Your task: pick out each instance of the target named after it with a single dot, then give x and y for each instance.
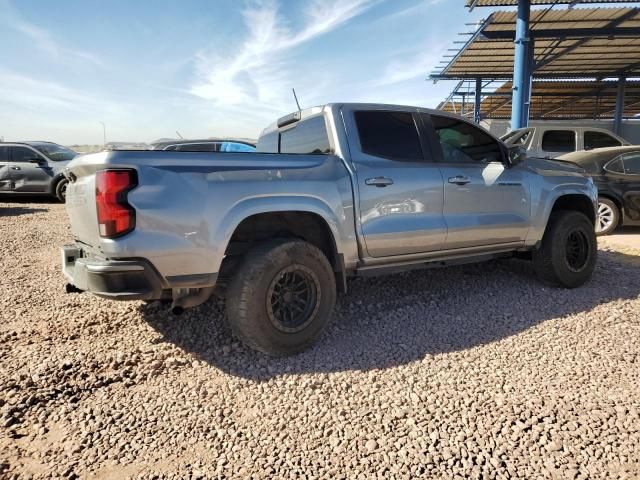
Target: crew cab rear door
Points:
(399, 188)
(486, 202)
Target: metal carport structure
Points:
(553, 100)
(588, 43)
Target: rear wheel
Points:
(61, 189)
(608, 216)
(280, 299)
(568, 252)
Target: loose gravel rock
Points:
(467, 372)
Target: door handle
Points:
(16, 168)
(379, 181)
(459, 180)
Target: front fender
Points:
(542, 206)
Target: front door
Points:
(5, 170)
(30, 171)
(486, 202)
(400, 189)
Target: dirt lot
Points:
(470, 372)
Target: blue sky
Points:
(210, 67)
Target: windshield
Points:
(55, 152)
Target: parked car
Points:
(34, 168)
(335, 191)
(550, 141)
(616, 173)
(207, 145)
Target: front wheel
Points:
(281, 297)
(61, 189)
(568, 253)
(608, 216)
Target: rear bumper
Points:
(114, 279)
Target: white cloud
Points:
(411, 66)
(42, 39)
(31, 93)
(258, 72)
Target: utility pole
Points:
(104, 134)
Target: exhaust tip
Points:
(177, 310)
(71, 288)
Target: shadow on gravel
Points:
(9, 198)
(392, 320)
(17, 211)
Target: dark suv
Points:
(34, 168)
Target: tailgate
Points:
(81, 202)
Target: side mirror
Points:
(36, 160)
(516, 154)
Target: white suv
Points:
(551, 141)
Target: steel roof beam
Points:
(566, 33)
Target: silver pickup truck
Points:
(333, 191)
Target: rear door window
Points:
(593, 139)
(391, 135)
(615, 166)
(631, 163)
(559, 141)
(306, 137)
(4, 154)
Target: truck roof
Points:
(311, 111)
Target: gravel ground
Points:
(468, 372)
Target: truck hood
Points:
(545, 166)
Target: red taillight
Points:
(115, 216)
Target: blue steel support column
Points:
(476, 104)
(531, 65)
(617, 116)
(520, 64)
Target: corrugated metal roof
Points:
(513, 3)
(558, 100)
(590, 42)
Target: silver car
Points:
(34, 168)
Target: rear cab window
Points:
(268, 143)
(306, 137)
(559, 141)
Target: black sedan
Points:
(616, 173)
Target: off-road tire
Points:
(61, 188)
(249, 299)
(553, 261)
(615, 213)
